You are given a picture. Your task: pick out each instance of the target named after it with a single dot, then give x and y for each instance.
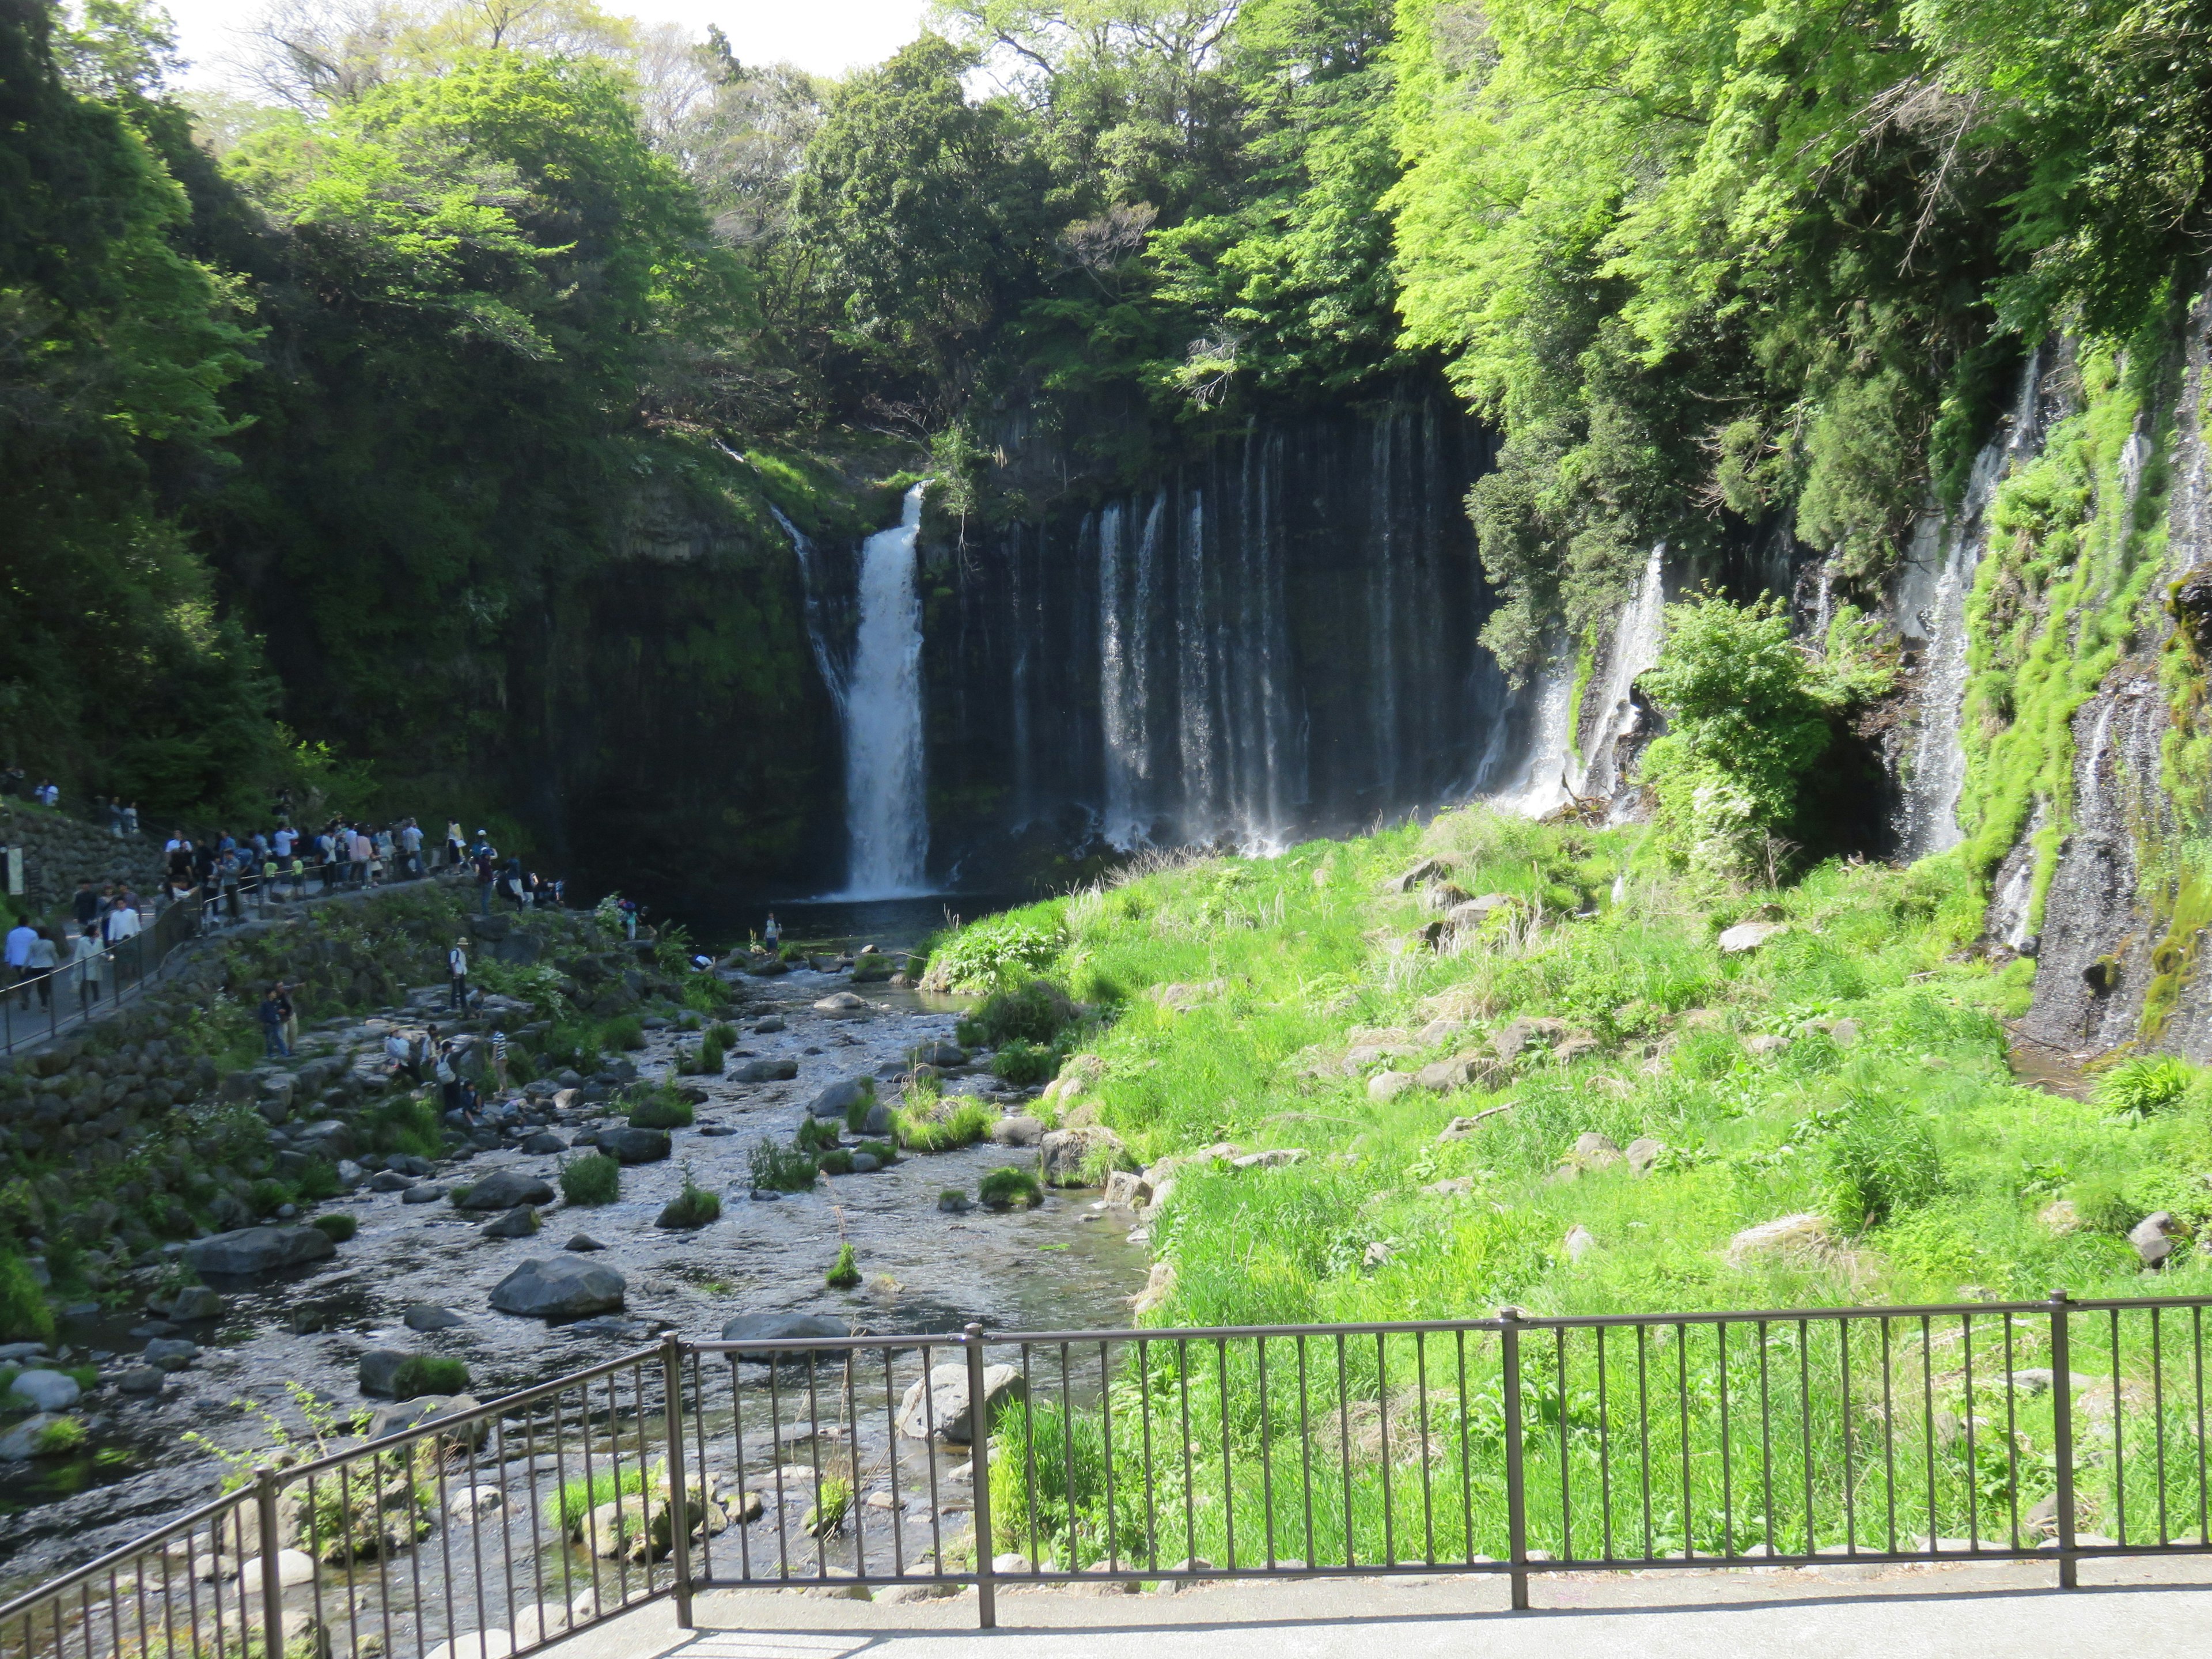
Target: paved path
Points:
(1995, 1611)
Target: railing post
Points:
(979, 1441)
(2062, 1431)
(679, 1509)
(272, 1569)
(1517, 1495)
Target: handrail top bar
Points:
(800, 1346)
(495, 1407)
(144, 1544)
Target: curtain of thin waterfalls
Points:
(1932, 606)
(884, 805)
(1275, 638)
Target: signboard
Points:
(15, 872)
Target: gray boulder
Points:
(764, 1071)
(559, 1287)
(1643, 1152)
(259, 1250)
(1063, 1155)
(408, 1163)
(843, 1005)
(939, 1053)
(544, 1141)
(839, 1098)
(628, 1146)
(47, 1391)
(142, 1379)
(783, 1328)
(390, 1181)
(520, 1221)
(197, 1301)
(583, 1242)
(425, 1194)
(2156, 1237)
(942, 1406)
(429, 1408)
(170, 1354)
(379, 1371)
(768, 1022)
(23, 1443)
(428, 1316)
(503, 1190)
(1018, 1131)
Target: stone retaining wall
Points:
(60, 851)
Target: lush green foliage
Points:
(691, 1209)
(424, 1373)
(1008, 1186)
(943, 1127)
(844, 1272)
(780, 1169)
(1023, 1064)
(338, 1226)
(594, 1178)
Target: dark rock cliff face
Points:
(1272, 638)
(674, 738)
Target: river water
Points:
(1065, 1264)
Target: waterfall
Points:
(1195, 680)
(1931, 596)
(885, 811)
(1542, 786)
(835, 674)
(1635, 648)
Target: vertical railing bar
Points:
(2157, 1421)
(775, 1454)
(1973, 1485)
(892, 1442)
(979, 1442)
(414, 1556)
(2061, 1431)
(1029, 1453)
(814, 1460)
(1383, 1421)
(1928, 1422)
(475, 1536)
(1068, 1460)
(1267, 1458)
(2119, 1443)
(1604, 1453)
(1766, 1434)
(1682, 1394)
(1644, 1433)
(1106, 1434)
(1805, 1428)
(2196, 1351)
(857, 1506)
(1344, 1441)
(1851, 1464)
(1228, 1484)
(1888, 1434)
(1566, 1507)
(929, 1462)
(706, 1487)
(2012, 1438)
(679, 1495)
(1428, 1493)
(537, 1531)
(1151, 1480)
(1728, 1465)
(1466, 1467)
(1516, 1497)
(560, 1512)
(745, 1480)
(1189, 1479)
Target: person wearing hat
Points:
(457, 964)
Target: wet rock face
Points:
(259, 1250)
(2093, 959)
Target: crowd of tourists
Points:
(229, 876)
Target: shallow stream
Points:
(1065, 1265)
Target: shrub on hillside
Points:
(995, 953)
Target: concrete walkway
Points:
(1999, 1611)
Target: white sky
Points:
(825, 36)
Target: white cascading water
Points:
(1932, 596)
(1542, 786)
(1635, 649)
(886, 814)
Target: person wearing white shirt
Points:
(457, 964)
(21, 938)
(282, 842)
(86, 960)
(45, 957)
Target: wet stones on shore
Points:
(559, 1287)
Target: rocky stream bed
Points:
(1067, 1263)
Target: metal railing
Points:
(37, 1008)
(1509, 1446)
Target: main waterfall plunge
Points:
(878, 691)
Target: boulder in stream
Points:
(559, 1287)
(634, 1146)
(503, 1190)
(259, 1250)
(520, 1221)
(1079, 1158)
(943, 1405)
(840, 1098)
(765, 1071)
(843, 1005)
(782, 1328)
(428, 1316)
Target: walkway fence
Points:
(37, 1008)
(2063, 1430)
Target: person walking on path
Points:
(21, 938)
(272, 1026)
(45, 957)
(85, 906)
(457, 966)
(454, 845)
(87, 959)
